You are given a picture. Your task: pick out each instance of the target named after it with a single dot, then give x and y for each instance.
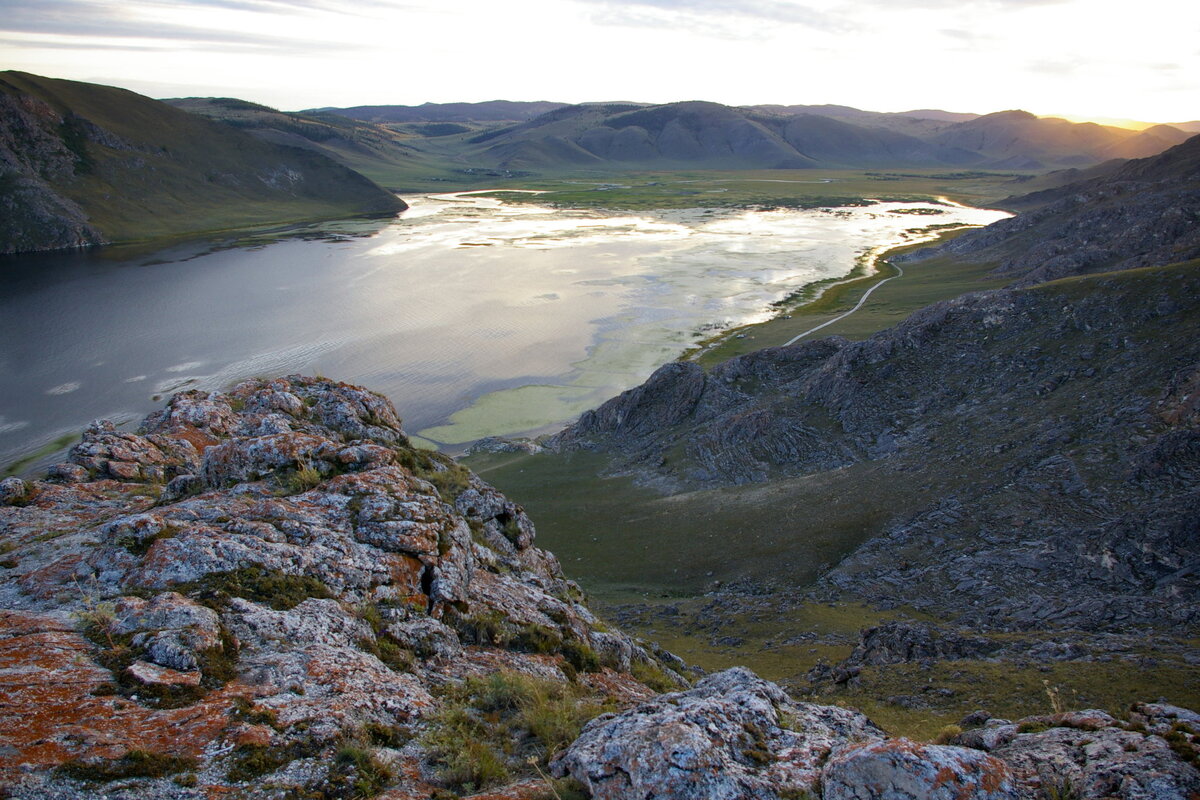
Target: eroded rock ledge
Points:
(735, 735)
(269, 593)
(257, 581)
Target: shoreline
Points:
(865, 266)
(806, 297)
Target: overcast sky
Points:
(1089, 58)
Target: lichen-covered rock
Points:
(1088, 754)
(66, 473)
(426, 637)
(305, 577)
(899, 769)
(732, 736)
(105, 451)
(173, 629)
(1162, 718)
(155, 675)
(13, 490)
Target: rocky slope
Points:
(737, 736)
(269, 594)
(261, 581)
(1140, 213)
(1029, 487)
(81, 164)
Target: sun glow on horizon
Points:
(1112, 67)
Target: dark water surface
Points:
(472, 316)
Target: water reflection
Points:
(474, 316)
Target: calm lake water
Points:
(473, 316)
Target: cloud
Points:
(1056, 67)
(958, 5)
(6, 41)
(706, 13)
(87, 18)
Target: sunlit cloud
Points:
(86, 18)
(1104, 57)
(668, 12)
(1054, 67)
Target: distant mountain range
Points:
(489, 111)
(82, 164)
(709, 135)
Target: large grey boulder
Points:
(899, 769)
(732, 736)
(1105, 763)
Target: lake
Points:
(474, 316)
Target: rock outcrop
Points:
(255, 582)
(735, 735)
(1144, 213)
(1022, 484)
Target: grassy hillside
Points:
(384, 153)
(141, 169)
(720, 575)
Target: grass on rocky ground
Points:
(917, 700)
(618, 538)
(506, 725)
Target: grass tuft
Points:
(134, 764)
(489, 728)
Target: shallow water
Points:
(473, 316)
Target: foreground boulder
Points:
(733, 736)
(902, 770)
(259, 581)
(1089, 754)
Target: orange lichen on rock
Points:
(50, 712)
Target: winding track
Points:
(861, 300)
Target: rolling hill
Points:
(706, 135)
(1020, 140)
(1132, 214)
(384, 155)
(489, 111)
(82, 164)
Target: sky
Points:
(1082, 58)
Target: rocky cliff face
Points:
(1042, 444)
(1144, 213)
(35, 216)
(257, 582)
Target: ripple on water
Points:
(560, 311)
